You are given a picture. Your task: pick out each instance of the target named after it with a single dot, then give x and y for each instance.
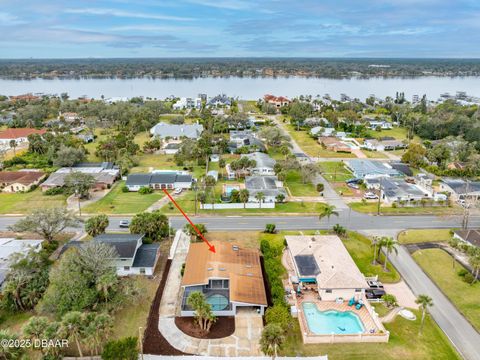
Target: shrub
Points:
(339, 230)
(462, 272)
(394, 205)
(54, 191)
(270, 228)
(280, 315)
(274, 270)
(125, 189)
(123, 349)
(468, 278)
(320, 187)
(182, 270)
(145, 190)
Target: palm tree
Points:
(260, 196)
(390, 246)
(13, 145)
(375, 242)
(272, 338)
(424, 301)
(285, 150)
(105, 283)
(474, 261)
(243, 196)
(72, 326)
(327, 212)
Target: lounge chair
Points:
(351, 302)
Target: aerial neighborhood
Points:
(210, 225)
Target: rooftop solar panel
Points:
(307, 265)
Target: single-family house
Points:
(269, 186)
(324, 260)
(382, 124)
(19, 181)
(213, 174)
(231, 175)
(174, 131)
(10, 246)
(241, 138)
(469, 236)
(187, 103)
(333, 144)
(361, 168)
(70, 117)
(171, 148)
(383, 145)
(460, 189)
(221, 100)
(230, 278)
(277, 101)
(132, 256)
(20, 135)
(264, 163)
(104, 173)
(160, 179)
(397, 189)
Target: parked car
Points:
(353, 186)
(375, 284)
(374, 293)
(177, 191)
(124, 223)
(370, 196)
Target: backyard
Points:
(441, 268)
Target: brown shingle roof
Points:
(242, 267)
(21, 177)
(20, 133)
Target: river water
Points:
(245, 88)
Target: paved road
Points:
(465, 338)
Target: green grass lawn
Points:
(439, 266)
(371, 207)
(334, 171)
(413, 236)
(118, 202)
(24, 203)
(296, 186)
(398, 133)
(404, 343)
(361, 250)
(311, 147)
(374, 154)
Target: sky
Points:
(240, 28)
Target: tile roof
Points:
(241, 266)
(15, 133)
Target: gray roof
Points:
(265, 184)
(399, 188)
(164, 130)
(361, 168)
(163, 178)
(459, 186)
(124, 244)
(472, 236)
(138, 179)
(146, 255)
(262, 160)
(104, 165)
(58, 178)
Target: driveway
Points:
(464, 337)
(248, 324)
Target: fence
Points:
(270, 205)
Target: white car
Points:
(370, 196)
(177, 191)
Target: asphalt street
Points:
(463, 336)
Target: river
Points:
(245, 88)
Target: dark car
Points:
(374, 293)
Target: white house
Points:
(160, 179)
(187, 103)
(383, 145)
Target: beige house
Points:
(19, 181)
(324, 260)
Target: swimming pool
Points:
(218, 302)
(230, 188)
(331, 321)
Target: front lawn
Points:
(439, 266)
(361, 250)
(118, 202)
(404, 343)
(335, 171)
(296, 186)
(413, 236)
(24, 203)
(371, 208)
(374, 154)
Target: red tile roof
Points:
(20, 133)
(272, 98)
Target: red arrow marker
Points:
(210, 246)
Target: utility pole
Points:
(379, 196)
(466, 206)
(195, 189)
(140, 338)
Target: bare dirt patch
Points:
(223, 327)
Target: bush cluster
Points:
(274, 270)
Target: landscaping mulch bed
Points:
(153, 341)
(223, 327)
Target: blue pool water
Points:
(218, 302)
(331, 321)
(230, 188)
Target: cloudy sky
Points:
(234, 28)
